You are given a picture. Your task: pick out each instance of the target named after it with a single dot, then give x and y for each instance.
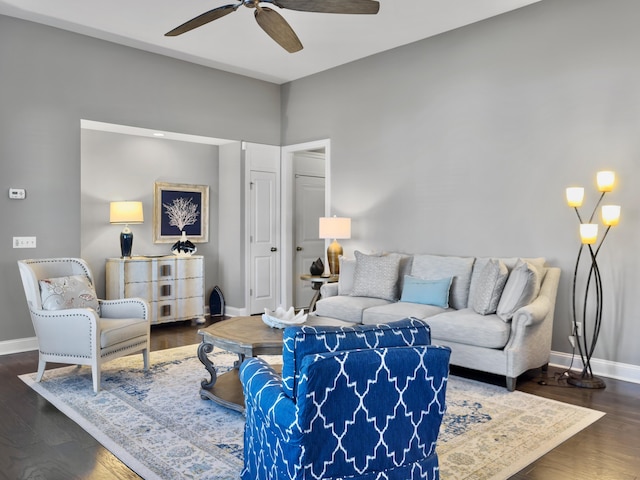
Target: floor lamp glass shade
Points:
(125, 213)
(334, 228)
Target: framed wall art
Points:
(178, 207)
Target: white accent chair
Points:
(79, 335)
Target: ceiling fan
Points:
(273, 23)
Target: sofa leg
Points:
(511, 383)
(545, 368)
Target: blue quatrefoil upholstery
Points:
(363, 402)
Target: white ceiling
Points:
(235, 43)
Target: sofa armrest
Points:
(124, 308)
(533, 313)
(329, 290)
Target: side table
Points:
(316, 283)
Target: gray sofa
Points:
(496, 314)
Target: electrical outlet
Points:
(24, 242)
(578, 331)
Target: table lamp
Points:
(334, 228)
(126, 213)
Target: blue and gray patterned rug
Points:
(157, 424)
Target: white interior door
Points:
(264, 242)
(309, 207)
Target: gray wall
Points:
(464, 143)
(50, 80)
(125, 167)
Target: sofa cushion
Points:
(376, 276)
(432, 267)
(488, 289)
(73, 291)
(470, 328)
(345, 307)
(347, 275)
(399, 310)
(426, 292)
(523, 286)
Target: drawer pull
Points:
(165, 290)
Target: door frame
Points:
(286, 224)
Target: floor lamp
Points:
(585, 338)
(334, 228)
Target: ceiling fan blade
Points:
(330, 6)
(203, 19)
(277, 28)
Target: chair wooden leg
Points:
(41, 366)
(145, 357)
(95, 373)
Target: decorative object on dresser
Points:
(126, 213)
(178, 209)
(334, 228)
(586, 326)
(183, 247)
(173, 286)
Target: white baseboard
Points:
(602, 368)
(18, 346)
(235, 311)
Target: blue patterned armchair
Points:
(363, 402)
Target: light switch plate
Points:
(24, 242)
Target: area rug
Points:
(156, 423)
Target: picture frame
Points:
(182, 203)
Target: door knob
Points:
(274, 249)
(299, 249)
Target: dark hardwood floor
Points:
(39, 442)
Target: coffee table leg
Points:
(203, 350)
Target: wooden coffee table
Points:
(246, 336)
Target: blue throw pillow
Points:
(426, 292)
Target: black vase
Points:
(317, 267)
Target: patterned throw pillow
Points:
(75, 291)
(489, 287)
(376, 276)
(523, 285)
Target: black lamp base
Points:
(126, 244)
(585, 381)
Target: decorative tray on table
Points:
(281, 318)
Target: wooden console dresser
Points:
(173, 286)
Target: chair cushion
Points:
(118, 330)
(306, 340)
(73, 291)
